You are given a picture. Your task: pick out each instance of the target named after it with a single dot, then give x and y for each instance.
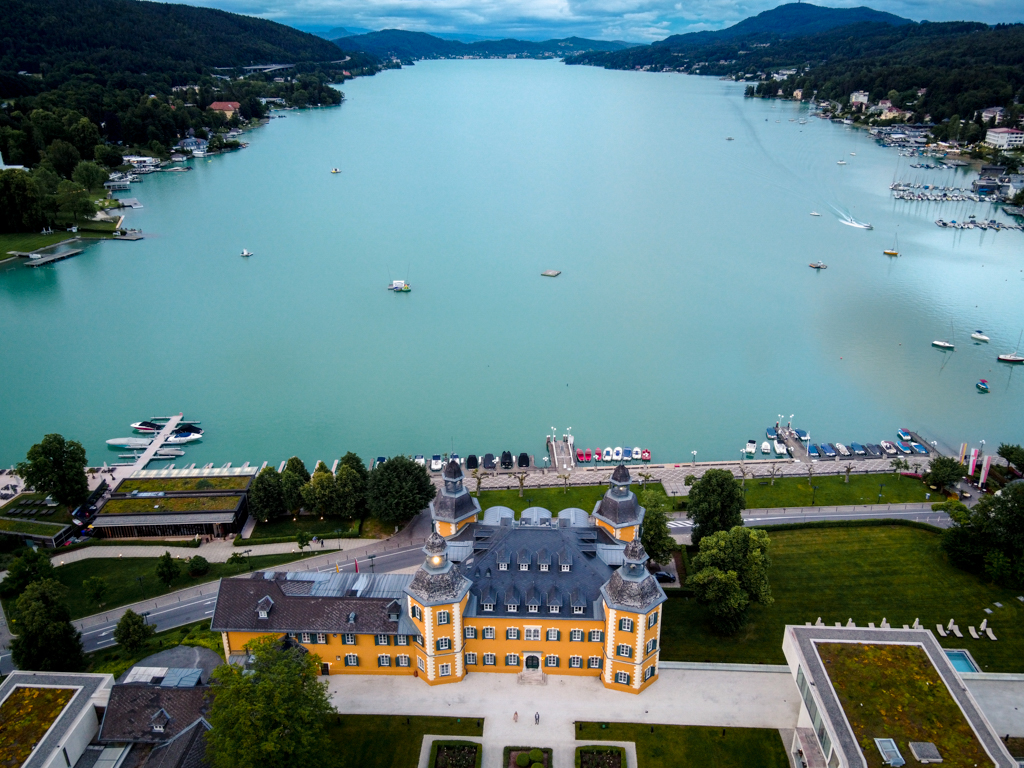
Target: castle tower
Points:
(437, 606)
(632, 598)
(453, 508)
(618, 511)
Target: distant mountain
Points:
(786, 21)
(404, 44)
(336, 32)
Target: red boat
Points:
(597, 455)
(579, 455)
(587, 456)
(645, 454)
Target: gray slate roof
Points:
(134, 707)
(186, 750)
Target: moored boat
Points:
(979, 336)
(766, 447)
(943, 344)
(982, 385)
(636, 454)
(770, 433)
(147, 426)
(645, 454)
(617, 453)
(579, 455)
(399, 286)
(587, 455)
(903, 434)
(780, 448)
(607, 454)
(179, 437)
(597, 454)
(130, 442)
(818, 265)
(246, 252)
(751, 447)
(1013, 357)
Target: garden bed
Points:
(526, 757)
(597, 756)
(25, 717)
(455, 754)
(176, 484)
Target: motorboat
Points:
(523, 461)
(587, 456)
(802, 434)
(766, 447)
(147, 426)
(435, 463)
(179, 437)
(636, 454)
(420, 460)
(828, 451)
(729, 138)
(813, 452)
(903, 446)
(488, 461)
(130, 442)
(843, 450)
(889, 448)
(943, 344)
(627, 453)
(378, 462)
(192, 429)
(841, 162)
(815, 213)
(579, 455)
(857, 448)
(751, 447)
(919, 449)
(455, 457)
(818, 265)
(856, 224)
(645, 454)
(597, 455)
(770, 433)
(506, 460)
(780, 448)
(617, 454)
(979, 336)
(875, 451)
(247, 253)
(607, 454)
(335, 170)
(904, 434)
(399, 286)
(982, 385)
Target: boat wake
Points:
(855, 223)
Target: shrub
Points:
(536, 755)
(522, 760)
(198, 565)
(537, 765)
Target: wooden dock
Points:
(34, 261)
(158, 442)
(561, 451)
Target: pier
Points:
(561, 452)
(158, 443)
(39, 261)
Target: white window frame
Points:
(565, 567)
(470, 658)
(533, 608)
(622, 678)
(652, 619)
(512, 633)
(512, 656)
(531, 634)
(445, 670)
(444, 644)
(512, 608)
(351, 660)
(625, 625)
(576, 635)
(576, 662)
(488, 633)
(263, 614)
(578, 609)
(321, 637)
(594, 662)
(524, 566)
(415, 612)
(553, 635)
(383, 660)
(381, 640)
(419, 663)
(443, 617)
(490, 660)
(401, 639)
(544, 567)
(649, 673)
(624, 651)
(554, 608)
(596, 636)
(305, 637)
(488, 607)
(502, 566)
(548, 658)
(470, 633)
(402, 660)
(651, 645)
(348, 638)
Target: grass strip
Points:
(393, 741)
(116, 661)
(693, 746)
(165, 504)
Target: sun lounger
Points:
(974, 633)
(906, 626)
(871, 625)
(984, 626)
(988, 631)
(956, 631)
(839, 624)
(942, 632)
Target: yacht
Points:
(818, 265)
(246, 252)
(147, 426)
(1013, 357)
(183, 437)
(943, 344)
(751, 447)
(895, 250)
(841, 162)
(780, 449)
(335, 170)
(979, 336)
(982, 385)
(815, 213)
(399, 286)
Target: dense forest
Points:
(409, 46)
(82, 84)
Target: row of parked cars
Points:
(868, 450)
(472, 461)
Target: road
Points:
(921, 513)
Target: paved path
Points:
(721, 695)
(215, 551)
(774, 516)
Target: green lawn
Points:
(31, 241)
(693, 746)
(169, 484)
(115, 660)
(863, 574)
(140, 506)
(379, 741)
(833, 491)
(312, 525)
(60, 515)
(553, 499)
(121, 576)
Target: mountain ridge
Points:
(405, 44)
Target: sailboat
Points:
(895, 250)
(945, 344)
(1014, 357)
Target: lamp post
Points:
(337, 533)
(814, 489)
(694, 458)
(247, 560)
(880, 487)
(371, 563)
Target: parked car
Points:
(506, 460)
(436, 464)
(488, 461)
(524, 460)
(472, 462)
(664, 577)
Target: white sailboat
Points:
(945, 344)
(1013, 357)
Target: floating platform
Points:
(551, 272)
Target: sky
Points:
(632, 20)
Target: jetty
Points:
(561, 452)
(157, 446)
(35, 260)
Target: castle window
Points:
(623, 650)
(403, 660)
(512, 608)
(533, 608)
(597, 635)
(576, 662)
(502, 566)
(470, 633)
(511, 660)
(652, 619)
(351, 660)
(594, 662)
(321, 637)
(490, 659)
(649, 673)
(625, 625)
(488, 606)
(470, 659)
(348, 639)
(419, 663)
(532, 634)
(652, 644)
(488, 633)
(443, 617)
(512, 633)
(381, 640)
(305, 637)
(576, 636)
(565, 567)
(383, 660)
(554, 635)
(622, 678)
(524, 566)
(551, 660)
(401, 639)
(578, 609)
(444, 644)
(446, 670)
(263, 614)
(415, 612)
(554, 608)
(544, 567)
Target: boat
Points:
(853, 154)
(179, 437)
(637, 454)
(818, 265)
(780, 449)
(979, 336)
(889, 448)
(802, 434)
(587, 456)
(147, 426)
(843, 450)
(812, 451)
(729, 138)
(904, 435)
(919, 449)
(857, 448)
(815, 213)
(841, 162)
(335, 170)
(770, 433)
(645, 454)
(828, 450)
(627, 453)
(904, 447)
(247, 253)
(399, 286)
(1013, 357)
(617, 453)
(436, 464)
(766, 447)
(597, 454)
(895, 250)
(579, 455)
(856, 224)
(982, 385)
(130, 442)
(420, 460)
(751, 447)
(945, 344)
(606, 455)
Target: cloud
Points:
(636, 20)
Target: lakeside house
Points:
(192, 144)
(227, 108)
(1004, 138)
(535, 597)
(5, 167)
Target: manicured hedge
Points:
(531, 752)
(600, 748)
(454, 743)
(851, 524)
(240, 542)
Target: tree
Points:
(715, 504)
(994, 525)
(1013, 454)
(899, 465)
(46, 640)
(731, 572)
(63, 157)
(266, 495)
(198, 565)
(20, 209)
(302, 539)
(89, 175)
(848, 469)
(320, 494)
(57, 466)
(132, 631)
(773, 471)
(351, 490)
(945, 472)
(95, 588)
(521, 479)
(657, 541)
(167, 569)
(399, 489)
(291, 489)
(108, 155)
(295, 464)
(73, 200)
(810, 472)
(28, 566)
(565, 477)
(478, 477)
(85, 136)
(721, 594)
(272, 715)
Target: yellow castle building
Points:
(540, 596)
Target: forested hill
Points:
(407, 45)
(63, 38)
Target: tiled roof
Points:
(238, 599)
(621, 474)
(186, 750)
(619, 510)
(134, 708)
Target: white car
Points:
(436, 465)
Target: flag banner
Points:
(963, 452)
(357, 565)
(974, 462)
(984, 469)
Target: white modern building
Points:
(1004, 138)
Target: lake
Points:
(685, 316)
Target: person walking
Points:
(536, 718)
(515, 717)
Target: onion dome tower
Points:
(618, 511)
(632, 598)
(437, 605)
(453, 508)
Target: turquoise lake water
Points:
(685, 318)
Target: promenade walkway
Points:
(215, 551)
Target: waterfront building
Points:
(227, 108)
(535, 597)
(859, 100)
(1004, 138)
(453, 508)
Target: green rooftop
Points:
(25, 717)
(171, 504)
(176, 484)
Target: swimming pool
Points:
(962, 661)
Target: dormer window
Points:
(544, 567)
(532, 608)
(263, 606)
(554, 608)
(565, 567)
(488, 606)
(262, 614)
(524, 566)
(512, 608)
(577, 609)
(158, 728)
(502, 566)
